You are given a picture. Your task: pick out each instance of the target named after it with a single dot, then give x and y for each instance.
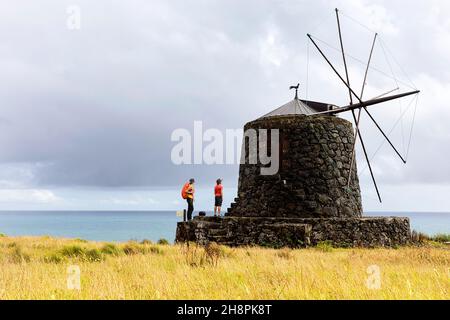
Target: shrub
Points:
(285, 254)
(163, 241)
(441, 237)
(73, 251)
(93, 255)
(18, 256)
(54, 258)
(12, 245)
(146, 241)
(132, 248)
(213, 252)
(2, 235)
(193, 255)
(198, 256)
(154, 249)
(419, 237)
(325, 246)
(111, 249)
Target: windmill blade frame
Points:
(361, 105)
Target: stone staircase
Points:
(232, 205)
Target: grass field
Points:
(47, 268)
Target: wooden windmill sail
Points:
(357, 105)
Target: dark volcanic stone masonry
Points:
(315, 155)
(307, 201)
(296, 232)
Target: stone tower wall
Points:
(315, 156)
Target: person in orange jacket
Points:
(188, 194)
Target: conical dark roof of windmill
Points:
(297, 106)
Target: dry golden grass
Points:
(36, 268)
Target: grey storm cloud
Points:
(97, 106)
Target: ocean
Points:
(138, 225)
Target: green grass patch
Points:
(420, 237)
(111, 249)
(132, 248)
(325, 246)
(81, 240)
(54, 257)
(75, 251)
(94, 255)
(163, 242)
(441, 237)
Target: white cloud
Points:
(272, 51)
(130, 200)
(375, 16)
(28, 196)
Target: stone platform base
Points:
(296, 232)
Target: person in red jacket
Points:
(218, 194)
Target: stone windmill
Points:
(315, 194)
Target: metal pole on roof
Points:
(359, 111)
(368, 65)
(343, 55)
(368, 161)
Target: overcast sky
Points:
(87, 114)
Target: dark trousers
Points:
(190, 203)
